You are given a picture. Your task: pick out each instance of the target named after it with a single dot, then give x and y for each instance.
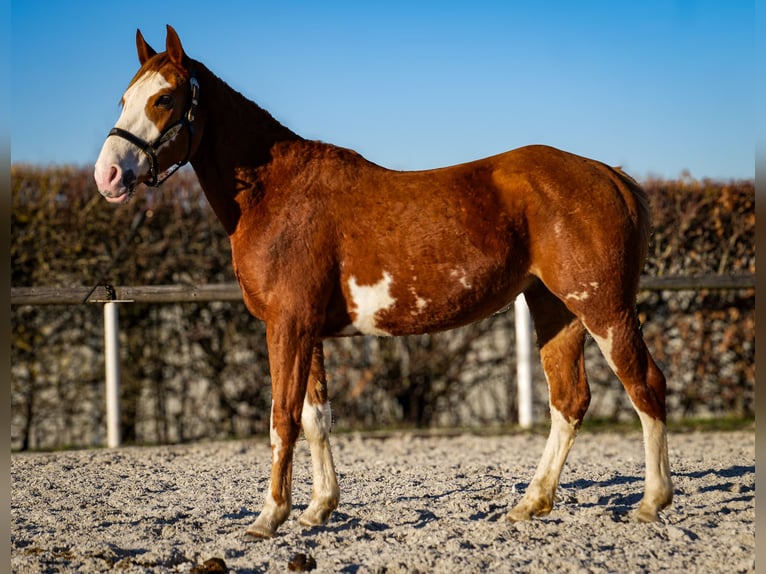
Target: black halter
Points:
(170, 132)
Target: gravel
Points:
(409, 503)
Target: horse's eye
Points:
(164, 101)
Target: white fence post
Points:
(112, 352)
(523, 360)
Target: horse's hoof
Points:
(650, 511)
(316, 517)
(518, 515)
(260, 531)
(646, 514)
(527, 510)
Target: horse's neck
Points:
(237, 139)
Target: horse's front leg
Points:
(290, 358)
(316, 420)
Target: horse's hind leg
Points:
(316, 420)
(561, 337)
(619, 338)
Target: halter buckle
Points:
(194, 97)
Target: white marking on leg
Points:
(538, 498)
(269, 504)
(658, 490)
(557, 448)
(271, 515)
(276, 440)
(316, 421)
(369, 300)
(266, 523)
(606, 344)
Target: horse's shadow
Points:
(617, 506)
(341, 522)
(620, 505)
(737, 471)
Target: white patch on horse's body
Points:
(584, 294)
(578, 296)
(462, 275)
(420, 303)
(367, 301)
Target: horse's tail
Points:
(638, 202)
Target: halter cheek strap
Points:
(150, 150)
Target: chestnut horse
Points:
(326, 244)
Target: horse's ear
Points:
(145, 51)
(173, 47)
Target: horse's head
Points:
(157, 130)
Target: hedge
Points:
(200, 370)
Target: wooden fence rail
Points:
(111, 297)
(231, 292)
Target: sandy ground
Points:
(408, 504)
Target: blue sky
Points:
(658, 87)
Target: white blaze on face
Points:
(120, 152)
(133, 117)
(367, 301)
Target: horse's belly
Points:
(390, 307)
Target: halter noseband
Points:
(150, 150)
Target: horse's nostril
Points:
(128, 178)
(114, 174)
